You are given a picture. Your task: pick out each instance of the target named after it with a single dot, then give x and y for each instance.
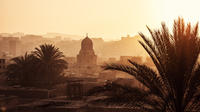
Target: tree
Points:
(176, 81)
(21, 70)
(50, 63)
(116, 94)
(41, 68)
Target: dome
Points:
(86, 43)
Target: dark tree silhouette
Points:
(50, 63)
(22, 69)
(43, 67)
(116, 94)
(174, 86)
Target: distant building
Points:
(31, 38)
(74, 89)
(86, 59)
(112, 60)
(137, 59)
(71, 65)
(85, 64)
(86, 56)
(78, 87)
(126, 38)
(70, 60)
(2, 64)
(10, 45)
(13, 47)
(124, 59)
(107, 75)
(4, 61)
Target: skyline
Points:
(107, 19)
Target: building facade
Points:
(4, 61)
(86, 56)
(86, 59)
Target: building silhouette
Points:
(86, 56)
(86, 59)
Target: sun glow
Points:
(188, 9)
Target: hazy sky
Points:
(109, 19)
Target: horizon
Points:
(63, 36)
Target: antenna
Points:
(86, 34)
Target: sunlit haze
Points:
(109, 19)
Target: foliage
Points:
(50, 62)
(40, 68)
(21, 68)
(177, 78)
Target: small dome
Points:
(86, 43)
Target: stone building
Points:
(86, 56)
(137, 59)
(10, 45)
(4, 61)
(86, 59)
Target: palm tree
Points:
(50, 63)
(44, 65)
(21, 69)
(122, 95)
(176, 81)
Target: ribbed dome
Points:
(86, 43)
(86, 56)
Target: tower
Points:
(86, 56)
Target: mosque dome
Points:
(86, 56)
(86, 43)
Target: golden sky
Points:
(109, 19)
